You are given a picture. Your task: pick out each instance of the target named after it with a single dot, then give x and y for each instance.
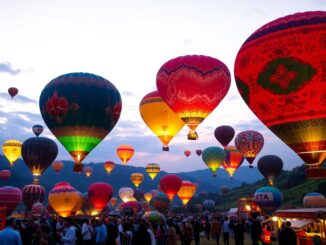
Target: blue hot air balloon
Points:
(268, 199)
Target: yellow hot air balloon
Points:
(109, 166)
(148, 196)
(152, 169)
(12, 150)
(158, 116)
(63, 198)
(125, 153)
(186, 192)
(137, 178)
(79, 203)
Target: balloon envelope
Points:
(270, 166)
(109, 166)
(233, 160)
(224, 134)
(99, 194)
(10, 198)
(37, 129)
(268, 199)
(187, 191)
(137, 178)
(57, 166)
(213, 157)
(285, 86)
(5, 174)
(12, 92)
(126, 193)
(32, 194)
(152, 169)
(88, 171)
(199, 152)
(12, 150)
(187, 153)
(314, 200)
(170, 185)
(125, 153)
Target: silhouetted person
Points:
(287, 235)
(255, 231)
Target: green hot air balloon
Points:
(80, 109)
(213, 157)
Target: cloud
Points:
(6, 67)
(128, 93)
(19, 98)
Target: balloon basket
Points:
(165, 148)
(316, 173)
(192, 135)
(78, 167)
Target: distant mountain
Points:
(120, 177)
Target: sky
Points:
(127, 42)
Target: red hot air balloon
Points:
(285, 85)
(33, 194)
(170, 184)
(10, 198)
(187, 153)
(193, 86)
(199, 152)
(99, 194)
(5, 174)
(249, 143)
(12, 92)
(224, 134)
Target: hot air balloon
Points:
(109, 166)
(170, 185)
(314, 200)
(12, 91)
(10, 198)
(88, 171)
(12, 150)
(33, 194)
(37, 209)
(57, 166)
(79, 203)
(209, 203)
(249, 143)
(148, 196)
(37, 129)
(99, 194)
(285, 88)
(187, 153)
(224, 189)
(213, 157)
(152, 169)
(153, 217)
(268, 199)
(5, 174)
(126, 193)
(38, 154)
(187, 191)
(130, 204)
(160, 202)
(63, 198)
(233, 160)
(113, 201)
(199, 152)
(157, 115)
(270, 166)
(80, 109)
(154, 192)
(125, 153)
(137, 178)
(224, 134)
(193, 86)
(138, 194)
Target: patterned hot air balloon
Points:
(153, 217)
(99, 194)
(63, 198)
(187, 153)
(148, 196)
(12, 91)
(113, 201)
(187, 191)
(199, 152)
(270, 166)
(80, 109)
(125, 153)
(38, 154)
(224, 134)
(209, 203)
(170, 185)
(193, 86)
(268, 199)
(109, 166)
(160, 202)
(57, 166)
(314, 200)
(285, 87)
(157, 115)
(88, 171)
(137, 178)
(213, 157)
(126, 193)
(5, 174)
(152, 169)
(33, 194)
(249, 143)
(37, 129)
(10, 198)
(12, 150)
(233, 160)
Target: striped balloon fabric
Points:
(33, 194)
(10, 198)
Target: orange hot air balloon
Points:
(12, 150)
(158, 116)
(137, 178)
(152, 169)
(148, 196)
(88, 171)
(113, 201)
(79, 204)
(170, 184)
(193, 86)
(57, 166)
(187, 191)
(285, 85)
(187, 153)
(125, 153)
(109, 166)
(63, 198)
(233, 160)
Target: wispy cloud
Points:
(6, 67)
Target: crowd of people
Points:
(136, 231)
